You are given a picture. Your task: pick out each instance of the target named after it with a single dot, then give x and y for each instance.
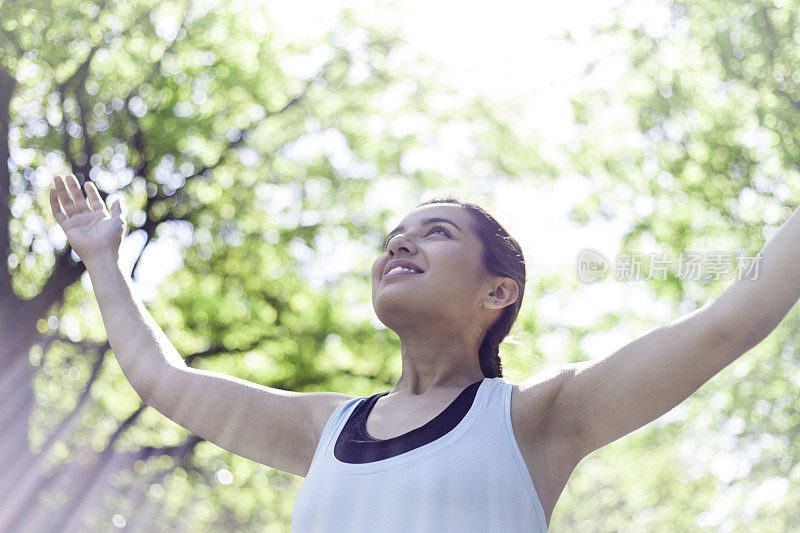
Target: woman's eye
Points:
(439, 228)
(433, 229)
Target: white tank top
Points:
(471, 479)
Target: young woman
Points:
(453, 446)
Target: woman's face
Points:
(438, 240)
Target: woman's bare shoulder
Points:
(321, 405)
(533, 398)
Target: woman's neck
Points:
(427, 371)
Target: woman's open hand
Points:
(91, 229)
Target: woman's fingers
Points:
(73, 200)
(77, 196)
(64, 198)
(56, 208)
(94, 196)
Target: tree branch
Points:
(65, 137)
(11, 39)
(150, 224)
(220, 350)
(770, 28)
(139, 501)
(157, 65)
(172, 451)
(84, 66)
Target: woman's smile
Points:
(400, 272)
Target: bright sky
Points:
(509, 51)
(505, 49)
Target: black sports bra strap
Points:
(355, 445)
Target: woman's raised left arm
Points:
(754, 307)
(607, 398)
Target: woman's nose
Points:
(400, 242)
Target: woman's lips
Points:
(401, 273)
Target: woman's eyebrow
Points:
(425, 222)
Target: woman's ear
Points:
(505, 293)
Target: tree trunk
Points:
(7, 85)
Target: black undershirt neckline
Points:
(355, 445)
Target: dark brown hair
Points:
(501, 256)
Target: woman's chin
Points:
(394, 306)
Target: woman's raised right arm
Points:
(275, 427)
